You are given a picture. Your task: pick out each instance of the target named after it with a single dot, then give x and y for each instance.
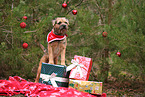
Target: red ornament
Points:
(74, 12)
(25, 17)
(64, 5)
(104, 34)
(104, 95)
(25, 45)
(118, 54)
(23, 25)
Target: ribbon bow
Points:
(51, 78)
(75, 63)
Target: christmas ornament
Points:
(104, 34)
(118, 54)
(25, 17)
(25, 45)
(74, 12)
(64, 5)
(23, 25)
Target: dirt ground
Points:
(124, 89)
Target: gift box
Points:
(54, 75)
(80, 68)
(86, 86)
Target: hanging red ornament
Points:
(25, 17)
(64, 5)
(25, 45)
(104, 34)
(118, 54)
(74, 12)
(23, 25)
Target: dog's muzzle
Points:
(63, 27)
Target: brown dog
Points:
(56, 44)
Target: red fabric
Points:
(87, 62)
(16, 85)
(52, 37)
(104, 95)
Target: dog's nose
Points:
(64, 26)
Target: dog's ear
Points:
(53, 22)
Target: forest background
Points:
(123, 20)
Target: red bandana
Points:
(52, 37)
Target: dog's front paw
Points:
(63, 64)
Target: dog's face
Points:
(60, 25)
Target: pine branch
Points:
(75, 6)
(94, 74)
(8, 41)
(128, 43)
(110, 12)
(39, 44)
(99, 10)
(29, 31)
(7, 31)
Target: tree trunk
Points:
(106, 50)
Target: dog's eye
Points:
(59, 23)
(65, 22)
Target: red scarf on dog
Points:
(52, 37)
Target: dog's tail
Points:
(41, 46)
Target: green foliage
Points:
(125, 34)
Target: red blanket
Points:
(16, 85)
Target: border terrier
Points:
(56, 44)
